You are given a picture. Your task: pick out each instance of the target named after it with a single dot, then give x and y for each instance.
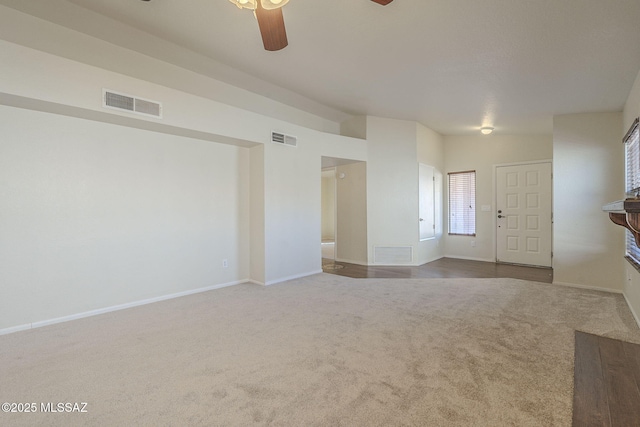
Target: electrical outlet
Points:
(473, 243)
(225, 263)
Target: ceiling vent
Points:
(281, 138)
(131, 104)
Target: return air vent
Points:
(281, 138)
(384, 255)
(132, 104)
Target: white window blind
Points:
(632, 154)
(462, 203)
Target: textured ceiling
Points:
(452, 65)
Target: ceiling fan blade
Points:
(382, 2)
(271, 23)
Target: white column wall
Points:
(588, 172)
(351, 227)
(431, 152)
(392, 185)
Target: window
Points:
(462, 203)
(632, 154)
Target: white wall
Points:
(355, 127)
(351, 227)
(256, 209)
(293, 219)
(328, 204)
(632, 276)
(481, 153)
(588, 173)
(392, 185)
(283, 220)
(95, 215)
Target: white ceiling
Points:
(452, 65)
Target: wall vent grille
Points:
(281, 138)
(132, 104)
(392, 255)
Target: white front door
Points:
(523, 195)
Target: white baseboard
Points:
(432, 260)
(633, 312)
(104, 310)
(350, 261)
(297, 276)
(591, 288)
(13, 329)
(469, 258)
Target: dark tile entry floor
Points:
(444, 267)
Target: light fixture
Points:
(273, 4)
(486, 130)
(266, 4)
(270, 21)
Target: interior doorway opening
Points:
(344, 213)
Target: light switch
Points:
(486, 208)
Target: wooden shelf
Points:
(626, 213)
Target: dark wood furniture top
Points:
(626, 213)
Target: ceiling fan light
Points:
(486, 130)
(245, 4)
(273, 4)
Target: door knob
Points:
(499, 216)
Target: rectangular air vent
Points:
(132, 104)
(392, 255)
(281, 138)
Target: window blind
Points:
(462, 203)
(632, 155)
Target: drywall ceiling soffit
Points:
(332, 162)
(121, 120)
(452, 65)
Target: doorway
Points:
(344, 212)
(524, 214)
(329, 215)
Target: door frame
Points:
(494, 221)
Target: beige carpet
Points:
(323, 350)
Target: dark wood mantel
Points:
(626, 213)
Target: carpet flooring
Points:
(323, 350)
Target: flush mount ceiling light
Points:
(270, 20)
(486, 130)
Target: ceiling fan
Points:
(271, 22)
